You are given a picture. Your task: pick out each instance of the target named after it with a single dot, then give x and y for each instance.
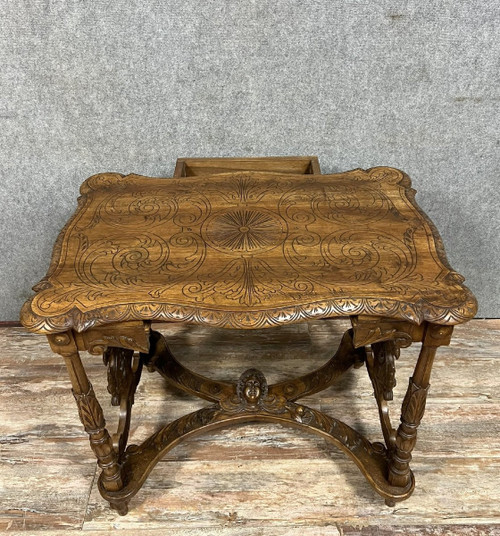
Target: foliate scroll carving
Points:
(349, 438)
(118, 361)
(141, 459)
(252, 399)
(284, 249)
(382, 368)
(413, 406)
(380, 363)
(411, 414)
(182, 426)
(92, 418)
(124, 373)
(89, 410)
(383, 339)
(370, 330)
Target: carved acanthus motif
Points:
(383, 339)
(252, 399)
(90, 411)
(179, 428)
(92, 418)
(248, 250)
(411, 414)
(382, 378)
(413, 407)
(351, 439)
(270, 248)
(124, 373)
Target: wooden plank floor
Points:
(253, 479)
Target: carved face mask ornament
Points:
(252, 387)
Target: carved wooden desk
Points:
(248, 249)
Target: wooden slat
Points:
(260, 479)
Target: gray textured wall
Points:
(130, 85)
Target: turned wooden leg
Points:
(413, 406)
(90, 411)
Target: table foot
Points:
(119, 506)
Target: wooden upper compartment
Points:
(247, 249)
(193, 167)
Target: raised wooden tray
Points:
(247, 249)
(189, 167)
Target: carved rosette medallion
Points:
(244, 231)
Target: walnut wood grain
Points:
(247, 250)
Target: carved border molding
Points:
(416, 313)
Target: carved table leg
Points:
(90, 411)
(117, 342)
(413, 406)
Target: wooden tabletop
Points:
(247, 250)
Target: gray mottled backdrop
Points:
(130, 85)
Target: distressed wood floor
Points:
(253, 479)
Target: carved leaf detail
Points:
(414, 404)
(90, 411)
